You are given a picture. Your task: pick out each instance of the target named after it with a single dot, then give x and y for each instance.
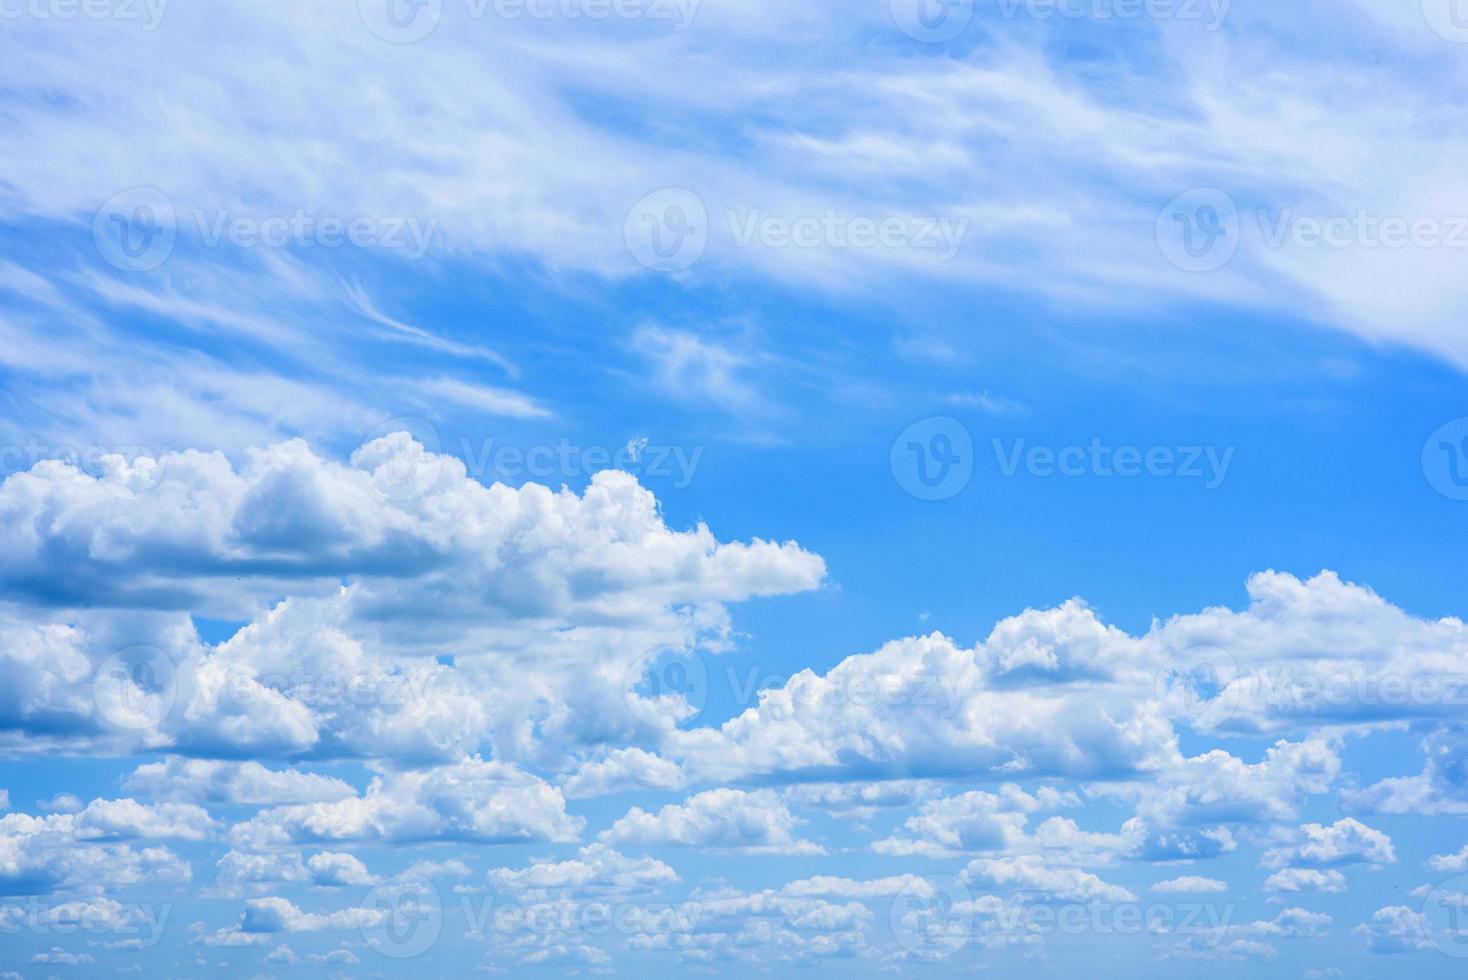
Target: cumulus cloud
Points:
(1191, 885)
(756, 822)
(567, 591)
(596, 868)
(474, 802)
(1394, 930)
(1344, 842)
(243, 783)
(1306, 880)
(1030, 873)
(1059, 693)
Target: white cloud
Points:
(1450, 863)
(1306, 880)
(596, 868)
(623, 770)
(1344, 842)
(1191, 885)
(1394, 930)
(474, 801)
(247, 783)
(1031, 873)
(756, 822)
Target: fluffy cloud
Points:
(248, 783)
(1344, 842)
(1441, 789)
(756, 822)
(564, 593)
(1305, 880)
(475, 802)
(1030, 873)
(1190, 885)
(1395, 929)
(596, 868)
(60, 851)
(974, 821)
(1059, 693)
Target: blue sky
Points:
(569, 488)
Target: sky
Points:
(727, 487)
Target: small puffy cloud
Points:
(622, 770)
(1296, 880)
(334, 870)
(1344, 842)
(973, 821)
(234, 783)
(595, 869)
(756, 822)
(474, 801)
(1031, 873)
(1395, 930)
(1190, 885)
(271, 915)
(60, 957)
(1449, 863)
(825, 886)
(1293, 924)
(1441, 789)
